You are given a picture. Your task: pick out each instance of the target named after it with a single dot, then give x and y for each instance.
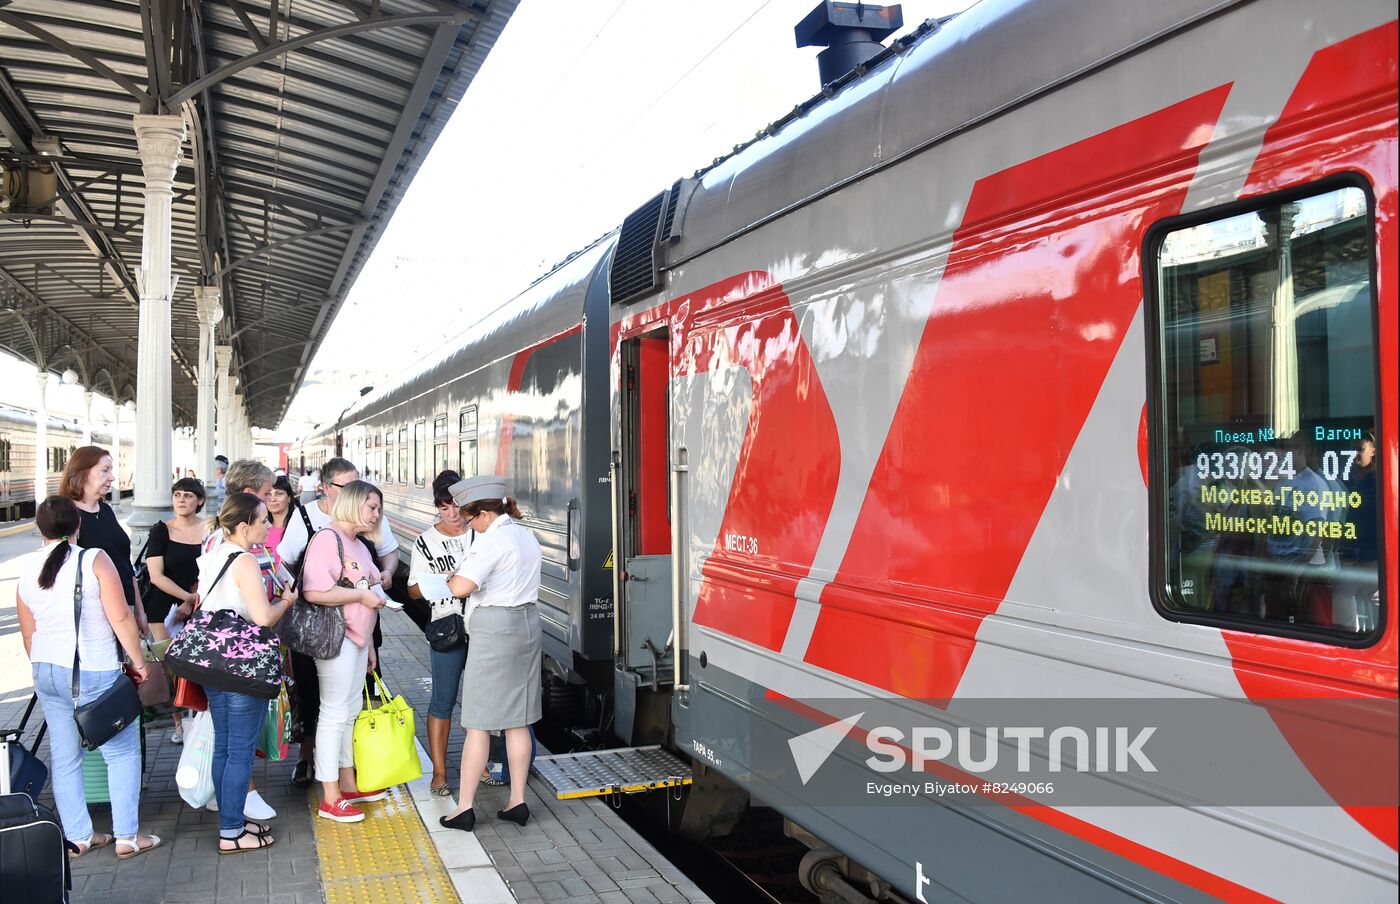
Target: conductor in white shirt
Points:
(500, 578)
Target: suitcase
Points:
(33, 852)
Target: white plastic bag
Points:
(195, 774)
(173, 627)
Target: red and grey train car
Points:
(1038, 362)
(17, 458)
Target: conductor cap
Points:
(478, 489)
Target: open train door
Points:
(642, 523)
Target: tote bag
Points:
(223, 650)
(385, 752)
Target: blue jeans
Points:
(498, 752)
(54, 685)
(447, 680)
(237, 720)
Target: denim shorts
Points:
(447, 681)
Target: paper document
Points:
(433, 586)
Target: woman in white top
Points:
(439, 550)
(229, 578)
(501, 686)
(50, 630)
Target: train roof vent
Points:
(676, 200)
(635, 268)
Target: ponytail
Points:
(53, 563)
(57, 519)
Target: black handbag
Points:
(28, 773)
(143, 574)
(118, 706)
(447, 633)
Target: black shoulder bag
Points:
(118, 706)
(143, 574)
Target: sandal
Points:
(95, 841)
(135, 847)
(256, 829)
(262, 841)
(440, 790)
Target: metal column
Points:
(211, 311)
(159, 139)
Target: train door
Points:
(643, 667)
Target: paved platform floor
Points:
(578, 851)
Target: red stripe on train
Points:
(1042, 282)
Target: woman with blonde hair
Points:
(339, 570)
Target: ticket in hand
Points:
(389, 602)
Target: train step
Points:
(622, 770)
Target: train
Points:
(17, 458)
(1043, 368)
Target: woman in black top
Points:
(171, 554)
(87, 480)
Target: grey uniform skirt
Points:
(501, 684)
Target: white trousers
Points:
(342, 695)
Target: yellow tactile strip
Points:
(387, 858)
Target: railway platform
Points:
(572, 851)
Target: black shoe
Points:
(301, 774)
(518, 814)
(466, 821)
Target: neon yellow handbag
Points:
(385, 752)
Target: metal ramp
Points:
(624, 770)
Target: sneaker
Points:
(178, 735)
(213, 805)
(361, 797)
(341, 811)
(257, 809)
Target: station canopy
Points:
(305, 120)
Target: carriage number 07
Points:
(1268, 465)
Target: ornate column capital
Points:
(209, 300)
(41, 379)
(223, 355)
(159, 140)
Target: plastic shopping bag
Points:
(195, 774)
(274, 736)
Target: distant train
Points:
(17, 458)
(1053, 358)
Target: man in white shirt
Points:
(335, 474)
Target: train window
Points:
(403, 455)
(466, 442)
(439, 444)
(420, 453)
(5, 464)
(388, 443)
(1266, 474)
